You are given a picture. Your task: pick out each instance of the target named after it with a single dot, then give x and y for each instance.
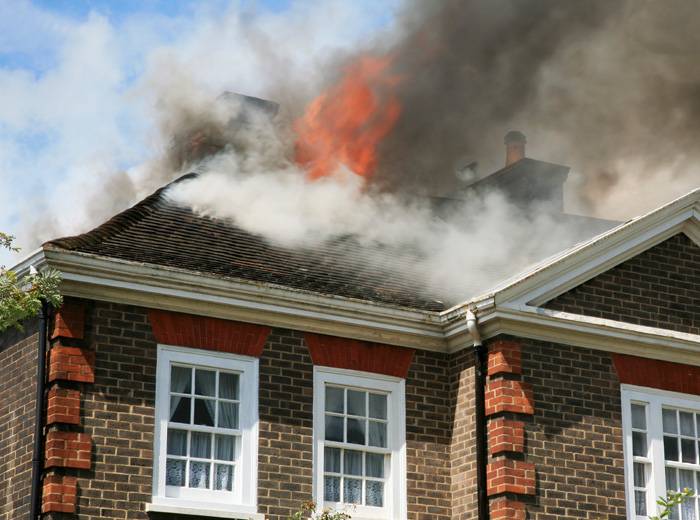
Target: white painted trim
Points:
(654, 399)
(213, 513)
(396, 500)
(586, 331)
(243, 499)
(88, 276)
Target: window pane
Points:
(352, 463)
(228, 385)
(356, 431)
(224, 477)
(331, 460)
(687, 481)
(334, 428)
(670, 448)
(177, 442)
(356, 403)
(204, 412)
(175, 473)
(180, 409)
(377, 434)
(205, 382)
(377, 406)
(640, 503)
(334, 399)
(199, 475)
(181, 380)
(639, 420)
(228, 415)
(225, 447)
(639, 444)
(331, 489)
(671, 482)
(639, 478)
(352, 491)
(200, 445)
(669, 420)
(374, 465)
(688, 451)
(375, 493)
(687, 426)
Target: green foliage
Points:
(21, 296)
(673, 499)
(308, 510)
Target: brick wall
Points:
(428, 436)
(286, 429)
(117, 414)
(659, 288)
(463, 443)
(17, 389)
(574, 437)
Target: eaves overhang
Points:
(108, 279)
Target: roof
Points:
(585, 260)
(157, 231)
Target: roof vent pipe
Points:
(515, 146)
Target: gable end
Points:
(660, 288)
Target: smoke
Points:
(98, 110)
(611, 88)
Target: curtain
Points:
(180, 379)
(207, 386)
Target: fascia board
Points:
(597, 333)
(593, 260)
(88, 276)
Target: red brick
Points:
(506, 436)
(665, 375)
(506, 509)
(63, 406)
(71, 364)
(69, 320)
(510, 476)
(59, 494)
(332, 351)
(504, 357)
(505, 395)
(68, 450)
(187, 330)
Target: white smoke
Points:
(84, 105)
(468, 250)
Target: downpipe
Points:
(39, 414)
(480, 359)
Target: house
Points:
(195, 371)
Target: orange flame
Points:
(344, 125)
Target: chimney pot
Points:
(515, 146)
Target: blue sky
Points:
(81, 82)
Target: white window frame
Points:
(395, 507)
(243, 499)
(655, 400)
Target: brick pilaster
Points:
(508, 400)
(59, 494)
(71, 364)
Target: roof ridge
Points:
(120, 222)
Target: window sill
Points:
(213, 513)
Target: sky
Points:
(81, 82)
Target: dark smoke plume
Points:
(609, 87)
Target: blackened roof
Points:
(159, 232)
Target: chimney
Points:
(515, 146)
